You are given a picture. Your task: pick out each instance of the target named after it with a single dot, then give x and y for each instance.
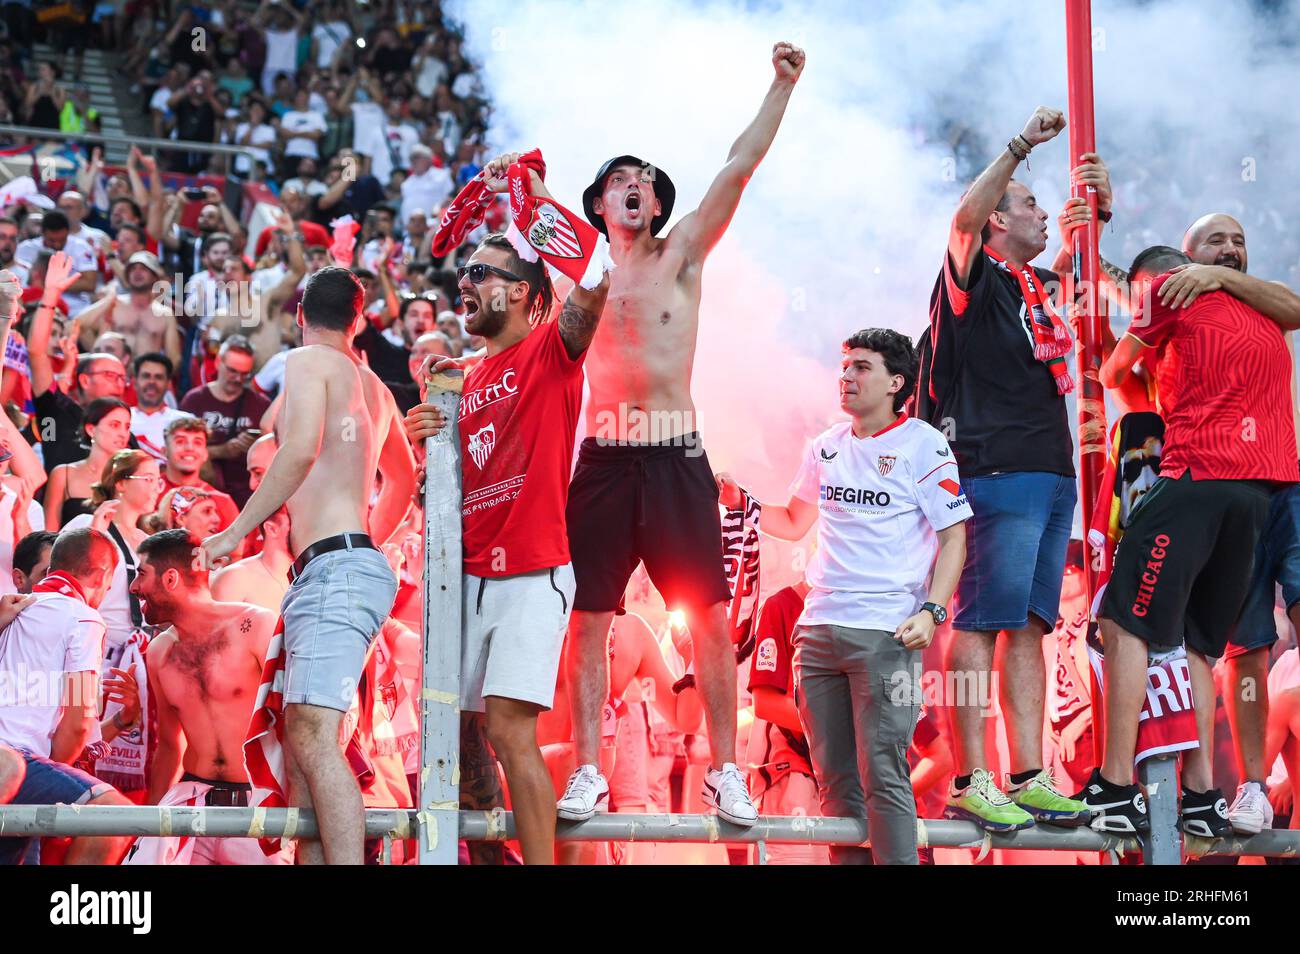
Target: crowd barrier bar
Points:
(144, 142)
(204, 822)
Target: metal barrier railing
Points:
(144, 142)
(200, 822)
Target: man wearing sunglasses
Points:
(518, 419)
(232, 410)
(642, 490)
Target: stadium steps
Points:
(109, 93)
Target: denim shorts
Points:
(1277, 562)
(48, 783)
(332, 613)
(1015, 550)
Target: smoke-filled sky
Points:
(900, 105)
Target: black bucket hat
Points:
(665, 192)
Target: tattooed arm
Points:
(480, 783)
(580, 315)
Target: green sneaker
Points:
(1039, 798)
(983, 803)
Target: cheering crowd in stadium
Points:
(211, 543)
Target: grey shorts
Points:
(513, 636)
(332, 614)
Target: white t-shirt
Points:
(264, 279)
(150, 430)
(392, 141)
(56, 634)
(432, 72)
(95, 238)
(306, 186)
(367, 128)
(264, 135)
(329, 37)
(296, 122)
(880, 499)
(425, 193)
(159, 100)
(270, 379)
(467, 85)
(115, 609)
(84, 260)
(281, 52)
(205, 295)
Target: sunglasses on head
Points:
(478, 273)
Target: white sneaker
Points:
(727, 791)
(1250, 812)
(586, 793)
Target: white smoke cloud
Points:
(900, 104)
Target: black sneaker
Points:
(1204, 814)
(1116, 808)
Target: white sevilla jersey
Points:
(881, 499)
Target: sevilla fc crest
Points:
(481, 444)
(886, 464)
(549, 231)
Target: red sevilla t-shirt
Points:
(774, 750)
(1224, 380)
(518, 418)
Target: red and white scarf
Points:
(1052, 340)
(740, 549)
(264, 743)
(538, 227)
(60, 582)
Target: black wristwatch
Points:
(938, 612)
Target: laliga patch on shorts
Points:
(766, 659)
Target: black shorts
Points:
(1183, 568)
(651, 503)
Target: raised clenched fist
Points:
(1045, 124)
(788, 61)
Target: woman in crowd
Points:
(108, 428)
(123, 496)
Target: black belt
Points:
(341, 541)
(222, 794)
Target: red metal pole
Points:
(1087, 269)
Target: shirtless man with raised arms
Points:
(337, 427)
(204, 672)
(643, 489)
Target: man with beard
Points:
(641, 421)
(8, 245)
(1216, 245)
(138, 314)
(204, 672)
(151, 414)
(518, 416)
(188, 246)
